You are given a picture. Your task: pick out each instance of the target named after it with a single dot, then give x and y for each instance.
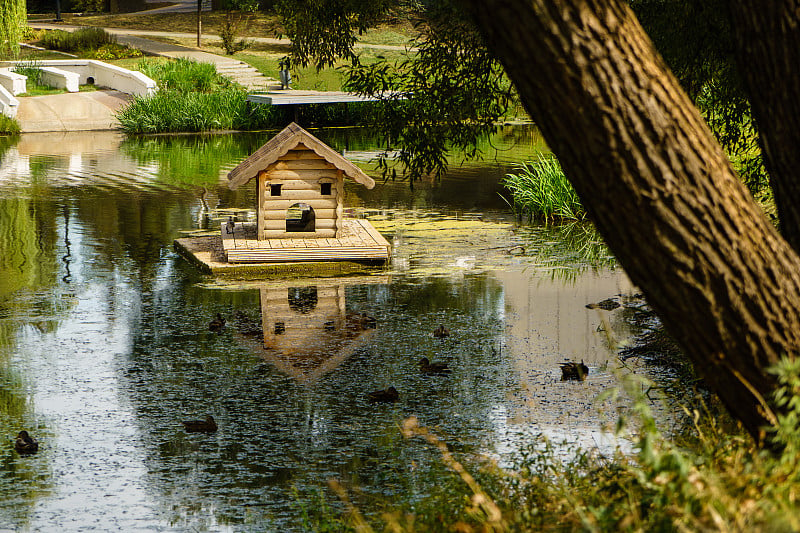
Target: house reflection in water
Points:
(307, 329)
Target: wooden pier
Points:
(358, 241)
(296, 97)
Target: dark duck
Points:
(571, 371)
(389, 395)
(217, 324)
(426, 367)
(441, 332)
(209, 425)
(25, 443)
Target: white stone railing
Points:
(60, 78)
(8, 104)
(12, 81)
(69, 74)
(95, 72)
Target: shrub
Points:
(540, 189)
(115, 51)
(8, 125)
(83, 39)
(237, 17)
(229, 42)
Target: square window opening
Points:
(325, 189)
(275, 190)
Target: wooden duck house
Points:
(300, 185)
(300, 195)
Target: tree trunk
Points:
(658, 187)
(768, 51)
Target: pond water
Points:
(105, 346)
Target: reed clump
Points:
(8, 125)
(184, 76)
(540, 190)
(193, 97)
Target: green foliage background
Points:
(13, 17)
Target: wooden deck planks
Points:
(359, 241)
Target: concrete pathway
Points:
(180, 6)
(71, 111)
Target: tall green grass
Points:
(539, 189)
(31, 69)
(8, 125)
(183, 75)
(173, 111)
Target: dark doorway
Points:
(300, 217)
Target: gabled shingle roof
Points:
(291, 136)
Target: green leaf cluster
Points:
(323, 31)
(446, 96)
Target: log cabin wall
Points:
(302, 331)
(300, 176)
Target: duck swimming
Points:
(426, 367)
(208, 425)
(217, 324)
(573, 371)
(389, 395)
(609, 304)
(25, 443)
(441, 332)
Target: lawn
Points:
(261, 25)
(260, 55)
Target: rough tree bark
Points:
(658, 186)
(768, 53)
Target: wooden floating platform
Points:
(208, 254)
(357, 241)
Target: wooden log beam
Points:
(280, 224)
(301, 174)
(274, 234)
(274, 204)
(299, 195)
(306, 184)
(320, 214)
(300, 154)
(303, 164)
